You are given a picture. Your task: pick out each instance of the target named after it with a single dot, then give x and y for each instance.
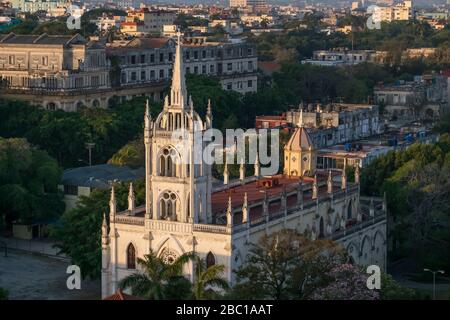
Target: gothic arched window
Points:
(210, 260)
(168, 162)
(131, 257)
(168, 206)
(349, 210)
(321, 228)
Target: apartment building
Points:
(401, 12)
(50, 70)
(344, 57)
(144, 21)
(424, 98)
(145, 60)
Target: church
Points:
(185, 210)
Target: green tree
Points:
(29, 180)
(206, 278)
(79, 230)
(285, 265)
(157, 277)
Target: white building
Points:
(184, 212)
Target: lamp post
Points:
(90, 146)
(434, 279)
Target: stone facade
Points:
(184, 212)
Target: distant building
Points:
(82, 181)
(150, 59)
(400, 12)
(144, 21)
(57, 72)
(424, 98)
(337, 123)
(343, 56)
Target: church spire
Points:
(178, 93)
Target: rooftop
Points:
(44, 39)
(99, 176)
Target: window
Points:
(131, 257)
(12, 59)
(349, 210)
(250, 66)
(161, 57)
(229, 86)
(152, 74)
(45, 61)
(142, 75)
(161, 74)
(249, 83)
(170, 56)
(133, 59)
(204, 54)
(188, 70)
(211, 68)
(142, 58)
(167, 162)
(168, 206)
(321, 229)
(203, 69)
(152, 58)
(210, 260)
(195, 70)
(229, 66)
(195, 55)
(249, 51)
(133, 76)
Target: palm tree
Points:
(157, 276)
(206, 278)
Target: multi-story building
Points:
(424, 98)
(238, 3)
(337, 123)
(145, 21)
(57, 72)
(184, 212)
(106, 22)
(150, 60)
(401, 12)
(345, 57)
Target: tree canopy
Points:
(29, 180)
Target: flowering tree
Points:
(345, 282)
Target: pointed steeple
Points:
(245, 209)
(178, 92)
(112, 203)
(225, 172)
(131, 199)
(209, 116)
(257, 166)
(344, 179)
(330, 183)
(105, 237)
(229, 213)
(315, 188)
(241, 171)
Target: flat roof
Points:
(99, 176)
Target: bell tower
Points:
(299, 153)
(179, 179)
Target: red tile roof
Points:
(119, 295)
